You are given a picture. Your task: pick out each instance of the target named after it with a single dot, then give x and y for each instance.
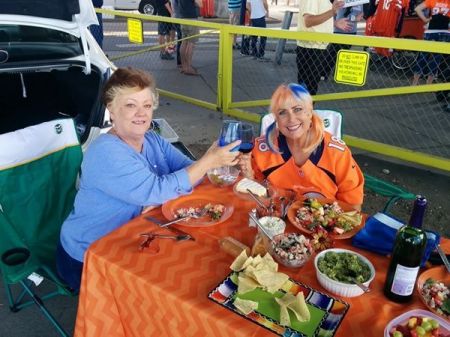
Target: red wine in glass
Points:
(247, 138)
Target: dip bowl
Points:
(291, 250)
(338, 287)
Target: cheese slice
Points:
(253, 186)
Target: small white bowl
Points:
(273, 225)
(341, 288)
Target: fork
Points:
(180, 237)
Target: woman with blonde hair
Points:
(296, 153)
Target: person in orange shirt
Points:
(437, 29)
(296, 153)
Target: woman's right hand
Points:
(216, 156)
(219, 156)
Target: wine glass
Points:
(247, 138)
(230, 132)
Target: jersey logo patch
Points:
(263, 147)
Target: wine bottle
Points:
(409, 248)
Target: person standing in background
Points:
(176, 14)
(234, 10)
(97, 30)
(312, 57)
(437, 30)
(166, 30)
(259, 10)
(345, 22)
(188, 10)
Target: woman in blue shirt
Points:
(128, 170)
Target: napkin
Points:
(378, 236)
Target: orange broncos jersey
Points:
(330, 171)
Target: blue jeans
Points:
(428, 63)
(258, 52)
(68, 268)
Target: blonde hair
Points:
(297, 93)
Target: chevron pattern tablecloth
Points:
(129, 293)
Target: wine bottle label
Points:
(404, 279)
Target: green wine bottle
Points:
(409, 248)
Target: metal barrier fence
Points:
(386, 115)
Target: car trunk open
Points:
(29, 97)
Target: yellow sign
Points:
(351, 67)
(135, 31)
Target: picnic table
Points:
(128, 292)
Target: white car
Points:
(144, 6)
(51, 66)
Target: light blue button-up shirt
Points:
(117, 182)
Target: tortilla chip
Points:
(245, 306)
(246, 284)
(270, 263)
(287, 299)
(300, 308)
(284, 315)
(238, 263)
(270, 280)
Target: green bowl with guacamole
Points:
(336, 269)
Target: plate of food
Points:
(200, 210)
(417, 322)
(433, 286)
(258, 292)
(264, 193)
(339, 219)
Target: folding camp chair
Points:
(38, 171)
(333, 121)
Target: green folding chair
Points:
(39, 166)
(333, 121)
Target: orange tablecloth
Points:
(126, 292)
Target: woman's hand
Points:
(216, 156)
(219, 156)
(245, 164)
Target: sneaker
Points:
(244, 53)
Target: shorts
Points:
(235, 15)
(188, 31)
(164, 28)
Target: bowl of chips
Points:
(291, 250)
(223, 176)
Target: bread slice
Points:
(253, 186)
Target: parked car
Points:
(143, 6)
(51, 66)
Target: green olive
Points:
(420, 331)
(427, 326)
(397, 334)
(434, 323)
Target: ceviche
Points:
(437, 295)
(294, 249)
(214, 211)
(329, 216)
